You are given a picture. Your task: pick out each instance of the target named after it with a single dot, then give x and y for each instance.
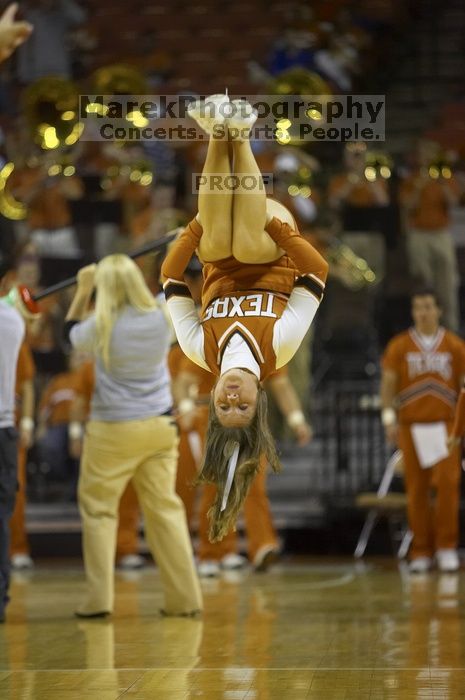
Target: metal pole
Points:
(143, 250)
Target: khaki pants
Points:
(433, 259)
(146, 452)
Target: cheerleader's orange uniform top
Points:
(254, 316)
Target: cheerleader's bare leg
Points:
(250, 241)
(215, 203)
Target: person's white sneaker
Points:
(21, 561)
(243, 117)
(233, 561)
(208, 568)
(130, 562)
(210, 112)
(420, 565)
(448, 560)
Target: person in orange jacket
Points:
(20, 555)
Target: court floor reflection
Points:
(308, 629)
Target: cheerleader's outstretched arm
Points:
(306, 296)
(181, 306)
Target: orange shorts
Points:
(225, 277)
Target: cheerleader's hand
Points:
(86, 278)
(303, 434)
(12, 32)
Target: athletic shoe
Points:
(208, 568)
(448, 560)
(265, 557)
(210, 112)
(20, 562)
(91, 615)
(131, 562)
(242, 119)
(420, 565)
(188, 613)
(233, 561)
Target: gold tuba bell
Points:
(51, 108)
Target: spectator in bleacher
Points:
(427, 202)
(295, 48)
(337, 62)
(20, 555)
(47, 197)
(423, 369)
(47, 53)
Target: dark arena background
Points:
(340, 598)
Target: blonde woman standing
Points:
(130, 434)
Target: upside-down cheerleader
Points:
(262, 287)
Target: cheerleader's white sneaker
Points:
(420, 565)
(448, 560)
(211, 112)
(243, 117)
(233, 561)
(208, 568)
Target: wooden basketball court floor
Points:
(307, 629)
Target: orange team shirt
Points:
(432, 211)
(361, 195)
(459, 423)
(25, 371)
(58, 396)
(429, 378)
(85, 382)
(232, 290)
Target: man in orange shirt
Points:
(427, 202)
(423, 369)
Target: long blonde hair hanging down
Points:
(119, 283)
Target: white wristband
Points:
(26, 423)
(185, 406)
(388, 417)
(75, 430)
(295, 419)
